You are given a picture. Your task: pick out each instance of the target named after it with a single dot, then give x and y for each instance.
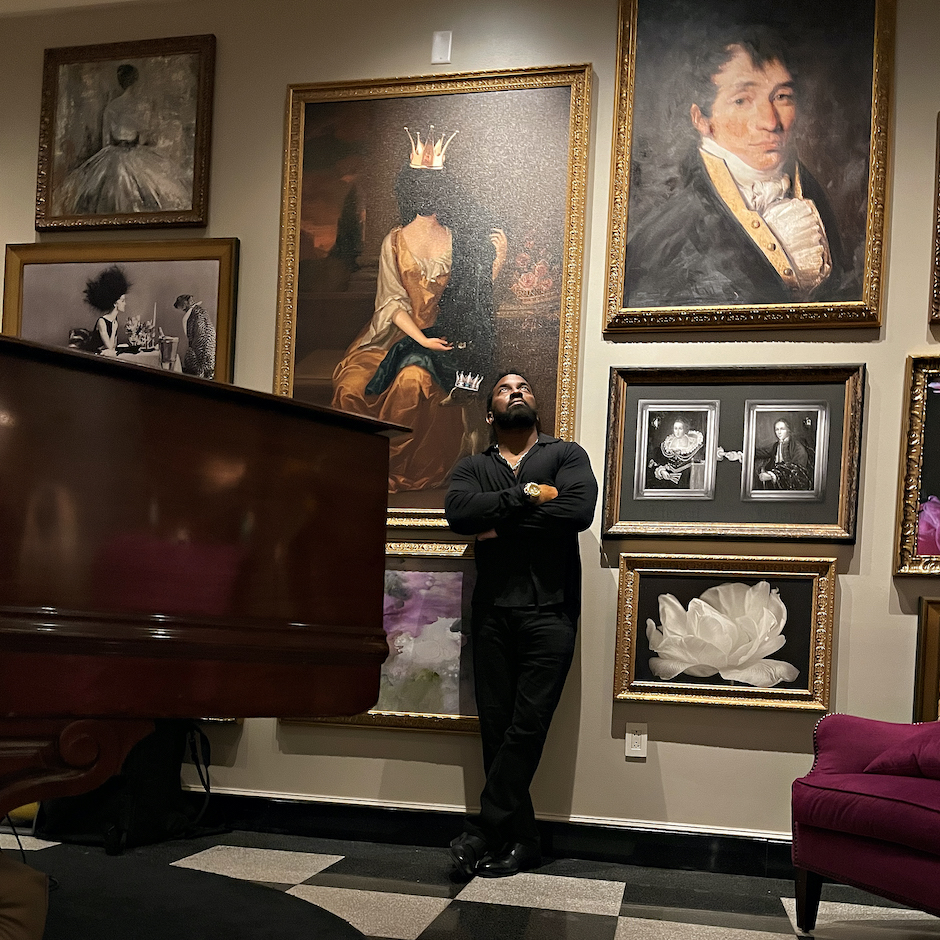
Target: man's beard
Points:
(517, 415)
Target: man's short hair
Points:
(762, 44)
(499, 377)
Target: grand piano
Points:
(173, 547)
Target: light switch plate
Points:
(440, 47)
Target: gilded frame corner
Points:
(861, 307)
(755, 518)
(416, 513)
(454, 556)
(813, 577)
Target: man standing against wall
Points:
(525, 499)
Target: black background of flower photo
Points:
(796, 594)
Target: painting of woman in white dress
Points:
(124, 135)
(128, 173)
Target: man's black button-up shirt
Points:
(534, 560)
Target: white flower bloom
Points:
(729, 630)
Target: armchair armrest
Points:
(847, 744)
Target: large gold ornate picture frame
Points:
(685, 630)
(779, 451)
(692, 246)
(427, 680)
(514, 171)
(917, 541)
(125, 134)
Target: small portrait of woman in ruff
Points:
(676, 450)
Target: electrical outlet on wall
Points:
(636, 737)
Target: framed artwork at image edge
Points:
(927, 667)
(224, 251)
(637, 76)
(569, 203)
(457, 553)
(817, 573)
(766, 383)
(48, 183)
(935, 293)
(919, 483)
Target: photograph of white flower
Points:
(730, 631)
(725, 630)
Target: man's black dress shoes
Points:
(466, 851)
(519, 858)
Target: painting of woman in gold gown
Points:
(433, 323)
(431, 243)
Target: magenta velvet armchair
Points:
(868, 813)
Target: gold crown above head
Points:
(428, 154)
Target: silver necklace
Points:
(513, 466)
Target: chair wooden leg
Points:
(808, 890)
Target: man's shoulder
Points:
(560, 448)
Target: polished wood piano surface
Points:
(172, 547)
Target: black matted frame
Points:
(825, 510)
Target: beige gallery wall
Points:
(709, 768)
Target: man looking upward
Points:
(749, 224)
(525, 499)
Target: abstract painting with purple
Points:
(428, 670)
(928, 516)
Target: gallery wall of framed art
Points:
(290, 160)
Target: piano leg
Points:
(42, 758)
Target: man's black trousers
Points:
(521, 657)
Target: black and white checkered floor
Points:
(406, 893)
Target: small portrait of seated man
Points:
(786, 463)
(745, 222)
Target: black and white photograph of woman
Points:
(676, 450)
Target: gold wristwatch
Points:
(532, 491)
